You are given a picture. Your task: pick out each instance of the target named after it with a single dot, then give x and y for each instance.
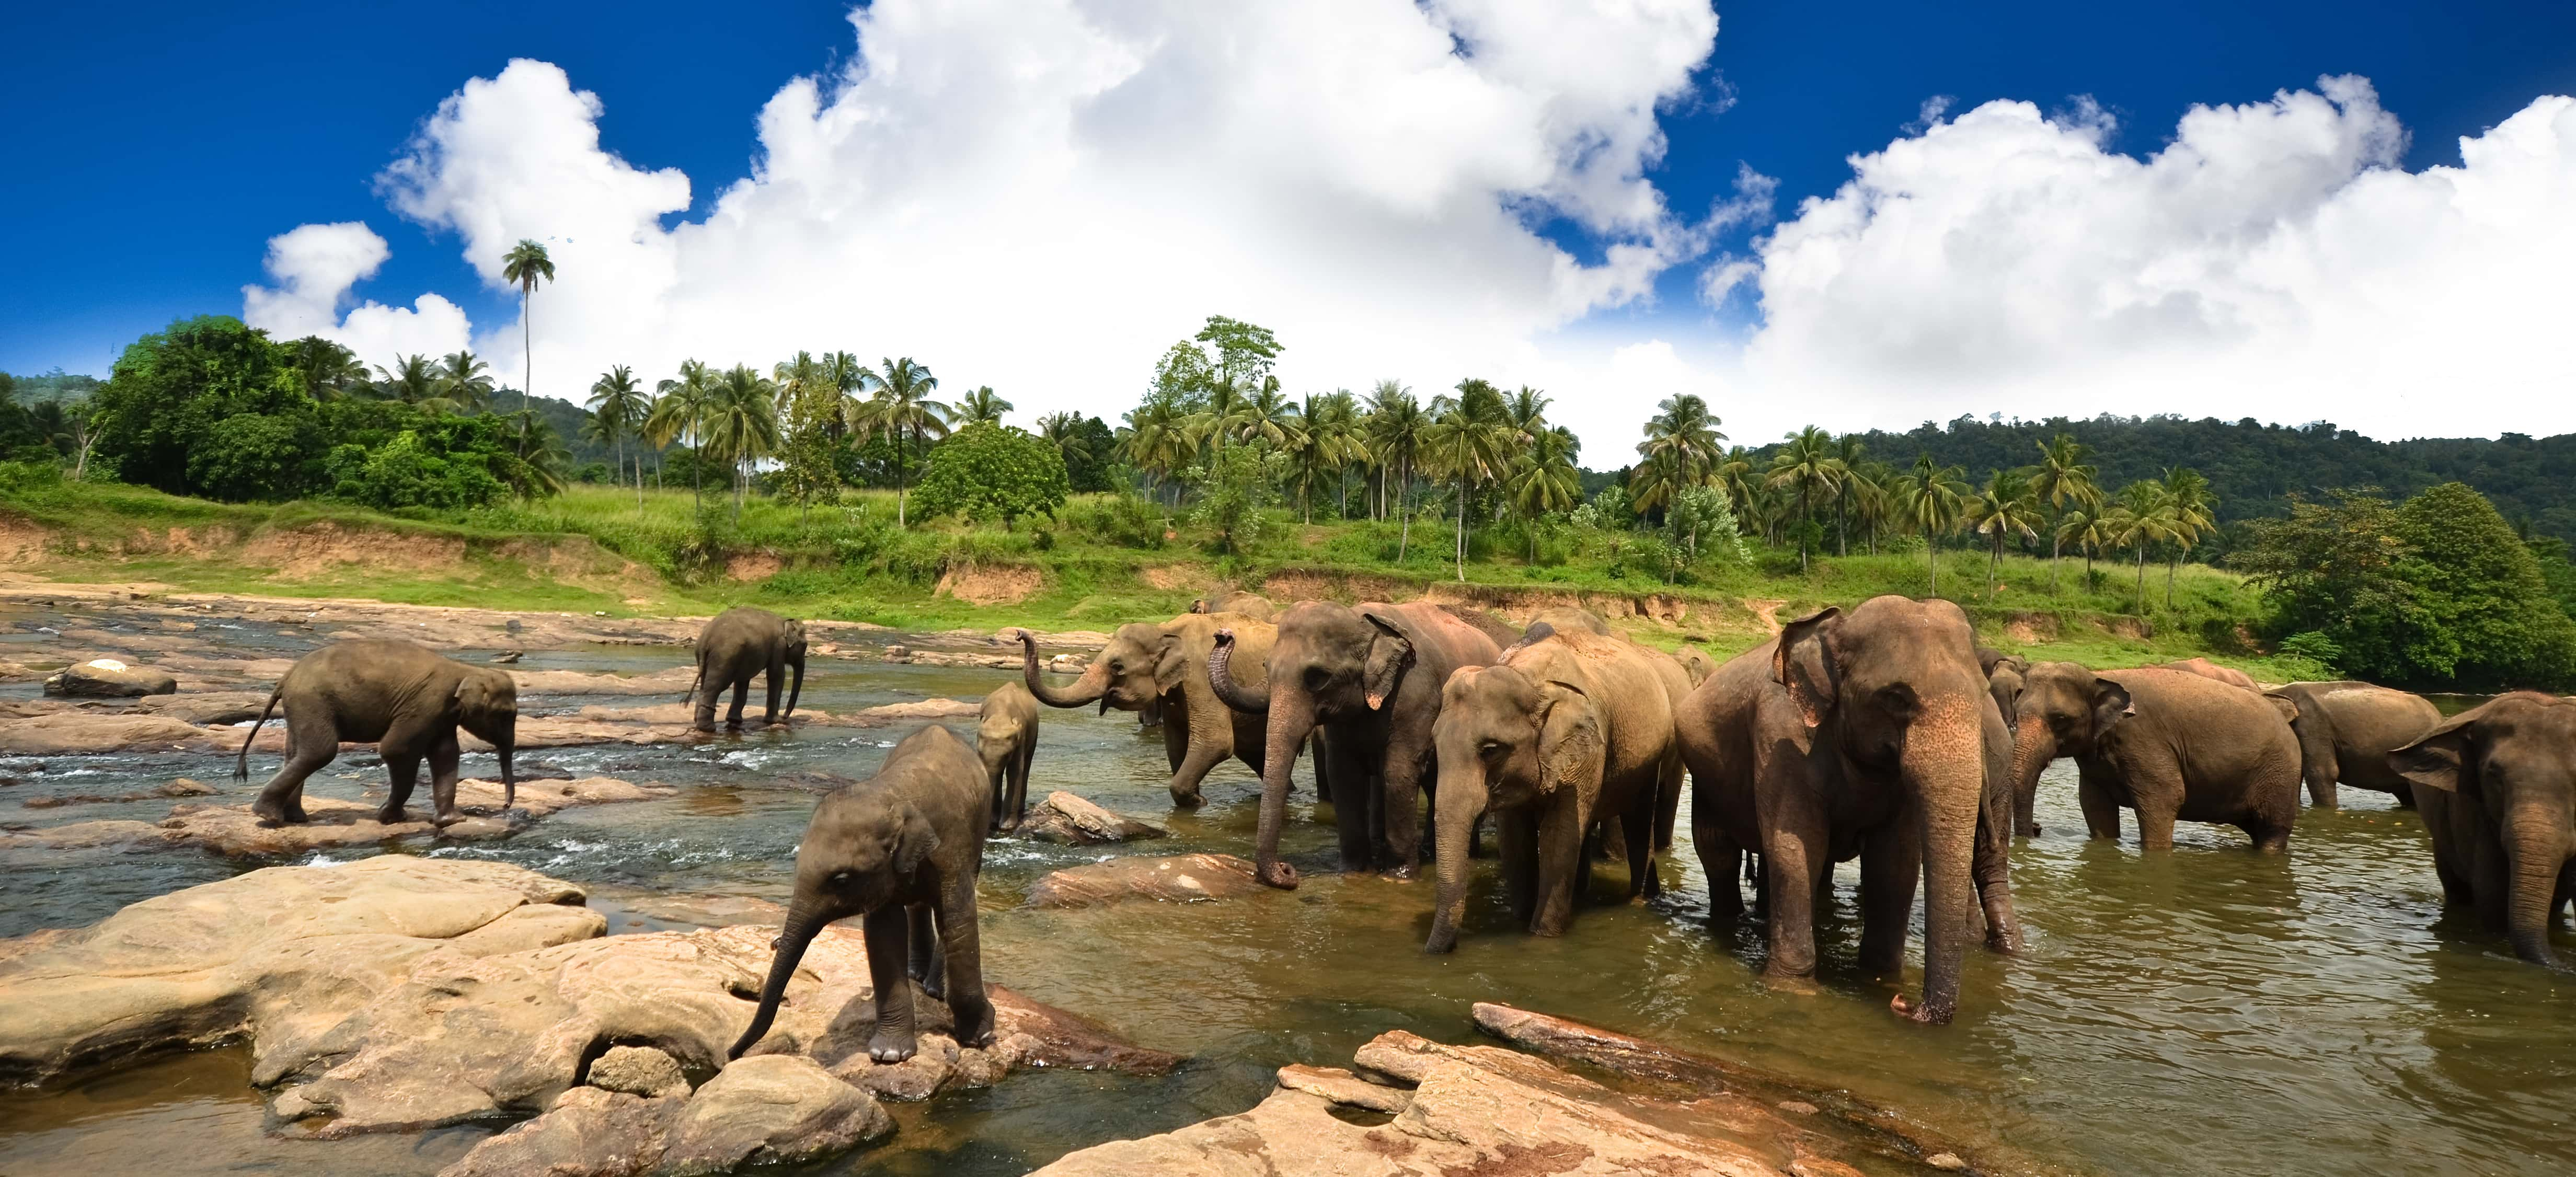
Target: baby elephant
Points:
(737, 644)
(401, 696)
(1007, 739)
(900, 849)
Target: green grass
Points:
(1099, 566)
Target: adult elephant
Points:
(1165, 666)
(2496, 785)
(2215, 673)
(737, 644)
(2169, 744)
(1870, 735)
(2346, 731)
(403, 697)
(1369, 679)
(2004, 682)
(1695, 663)
(1252, 605)
(1568, 728)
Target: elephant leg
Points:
(1641, 850)
(1991, 867)
(961, 947)
(996, 791)
(1353, 797)
(1406, 755)
(2155, 825)
(402, 771)
(2101, 809)
(776, 677)
(702, 698)
(1668, 803)
(741, 692)
(1720, 860)
(1028, 754)
(1196, 762)
(1516, 835)
(889, 933)
(1561, 865)
(1797, 862)
(1178, 739)
(442, 779)
(924, 962)
(1891, 862)
(310, 745)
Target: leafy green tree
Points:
(1086, 445)
(1683, 434)
(1396, 428)
(413, 380)
(1244, 352)
(680, 413)
(2334, 569)
(902, 409)
(525, 266)
(208, 407)
(1700, 520)
(2142, 517)
(1234, 492)
(1547, 483)
(2492, 622)
(1183, 377)
(408, 472)
(329, 370)
(2191, 512)
(1156, 441)
(538, 468)
(989, 471)
(809, 401)
(1808, 470)
(465, 382)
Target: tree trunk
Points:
(1462, 531)
(1933, 552)
(1992, 564)
(527, 343)
(2142, 578)
(2054, 540)
(2171, 570)
(898, 477)
(1404, 533)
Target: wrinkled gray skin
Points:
(1165, 667)
(737, 644)
(2004, 682)
(2172, 745)
(1006, 739)
(2496, 785)
(405, 698)
(2215, 673)
(1242, 604)
(2346, 731)
(1868, 735)
(901, 850)
(1568, 729)
(1369, 678)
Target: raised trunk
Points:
(1089, 689)
(1290, 723)
(1221, 679)
(1944, 766)
(2533, 861)
(1461, 803)
(802, 925)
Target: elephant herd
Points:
(1884, 733)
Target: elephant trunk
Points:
(1092, 687)
(1461, 803)
(803, 923)
(1221, 677)
(1289, 725)
(504, 746)
(2535, 853)
(1944, 765)
(795, 685)
(2034, 746)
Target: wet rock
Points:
(898, 653)
(1344, 1088)
(910, 1081)
(279, 955)
(674, 681)
(183, 787)
(76, 733)
(1038, 1034)
(233, 831)
(207, 708)
(107, 678)
(1947, 1162)
(1182, 878)
(1066, 818)
(588, 1133)
(766, 1110)
(508, 657)
(637, 1070)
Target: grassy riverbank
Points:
(1102, 562)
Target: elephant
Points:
(1252, 605)
(901, 850)
(1869, 734)
(405, 698)
(1567, 617)
(1369, 679)
(2169, 744)
(2215, 673)
(1166, 665)
(737, 644)
(2004, 681)
(1696, 663)
(2496, 786)
(1006, 738)
(2346, 731)
(1565, 729)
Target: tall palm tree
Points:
(2089, 531)
(1311, 454)
(2141, 518)
(2007, 508)
(843, 371)
(1525, 413)
(681, 412)
(413, 380)
(1847, 452)
(1262, 417)
(1653, 482)
(2064, 481)
(1548, 482)
(981, 406)
(1397, 426)
(1336, 418)
(1808, 469)
(1468, 440)
(1872, 507)
(617, 404)
(1732, 472)
(1931, 500)
(902, 408)
(525, 266)
(1684, 429)
(466, 382)
(742, 424)
(1156, 440)
(1064, 432)
(2193, 513)
(540, 455)
(330, 371)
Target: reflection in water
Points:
(2200, 1011)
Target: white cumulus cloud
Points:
(315, 267)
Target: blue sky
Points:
(159, 146)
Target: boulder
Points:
(333, 823)
(183, 787)
(770, 1109)
(590, 1132)
(638, 1070)
(898, 653)
(207, 708)
(1181, 878)
(1066, 818)
(108, 678)
(77, 733)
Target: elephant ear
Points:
(1803, 661)
(2442, 759)
(792, 632)
(1569, 739)
(1389, 654)
(2111, 704)
(2287, 706)
(914, 842)
(1172, 663)
(1538, 631)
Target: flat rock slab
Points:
(109, 680)
(231, 830)
(674, 681)
(78, 733)
(1068, 819)
(1180, 878)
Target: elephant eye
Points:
(841, 878)
(1117, 668)
(1315, 677)
(1492, 747)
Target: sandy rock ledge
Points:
(335, 824)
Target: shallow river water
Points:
(2207, 1010)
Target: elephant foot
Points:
(891, 1046)
(449, 818)
(1401, 874)
(1189, 800)
(1276, 874)
(272, 814)
(393, 815)
(1921, 1014)
(974, 1023)
(1791, 985)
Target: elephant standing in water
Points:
(1006, 739)
(2346, 731)
(737, 644)
(1370, 679)
(1872, 735)
(405, 698)
(2004, 682)
(1566, 729)
(2496, 785)
(2167, 743)
(902, 850)
(1148, 665)
(2215, 673)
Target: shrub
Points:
(990, 472)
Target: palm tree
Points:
(1847, 451)
(2007, 508)
(2193, 514)
(2142, 517)
(466, 382)
(681, 411)
(1156, 440)
(1064, 432)
(2089, 531)
(1872, 507)
(2065, 482)
(1335, 417)
(330, 370)
(1262, 416)
(1930, 500)
(901, 407)
(1310, 455)
(1684, 430)
(1468, 440)
(540, 456)
(1397, 426)
(617, 405)
(981, 406)
(1809, 470)
(1653, 482)
(741, 420)
(413, 380)
(1548, 482)
(1733, 473)
(525, 266)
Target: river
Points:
(2207, 1010)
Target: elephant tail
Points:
(241, 763)
(698, 656)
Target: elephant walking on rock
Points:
(2172, 745)
(2346, 731)
(737, 644)
(1148, 666)
(405, 698)
(2496, 785)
